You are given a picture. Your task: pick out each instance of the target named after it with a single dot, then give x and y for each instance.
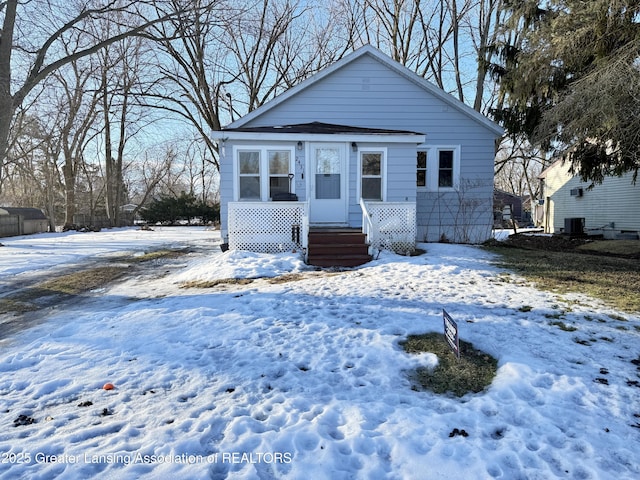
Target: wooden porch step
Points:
(336, 236)
(333, 247)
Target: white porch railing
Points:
(268, 227)
(389, 225)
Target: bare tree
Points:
(74, 125)
(192, 78)
(226, 58)
(518, 166)
(425, 36)
(40, 52)
(32, 177)
(121, 70)
(148, 173)
(254, 41)
(484, 29)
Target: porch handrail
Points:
(305, 231)
(367, 223)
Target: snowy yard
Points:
(304, 378)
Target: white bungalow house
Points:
(569, 206)
(364, 144)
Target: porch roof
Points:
(320, 132)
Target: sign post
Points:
(451, 333)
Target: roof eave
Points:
(223, 136)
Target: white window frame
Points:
(264, 168)
(238, 175)
(383, 169)
(426, 169)
(433, 167)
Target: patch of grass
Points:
(155, 255)
(612, 247)
(615, 281)
(84, 280)
(471, 374)
(215, 283)
(11, 305)
(286, 278)
(563, 326)
(76, 283)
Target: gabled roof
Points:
(503, 193)
(389, 63)
(25, 212)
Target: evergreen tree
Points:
(571, 82)
(185, 207)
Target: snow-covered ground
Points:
(304, 379)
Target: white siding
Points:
(616, 201)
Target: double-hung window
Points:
(262, 172)
(445, 168)
(249, 175)
(422, 169)
(438, 168)
(371, 174)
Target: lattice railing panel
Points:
(267, 227)
(390, 225)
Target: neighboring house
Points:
(568, 205)
(507, 207)
(22, 221)
(365, 143)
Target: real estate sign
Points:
(451, 333)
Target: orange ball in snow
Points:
(108, 386)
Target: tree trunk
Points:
(7, 107)
(69, 193)
(108, 157)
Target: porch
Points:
(272, 227)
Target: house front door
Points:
(328, 193)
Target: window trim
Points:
(433, 165)
(383, 171)
(265, 173)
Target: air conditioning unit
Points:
(574, 226)
(576, 192)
